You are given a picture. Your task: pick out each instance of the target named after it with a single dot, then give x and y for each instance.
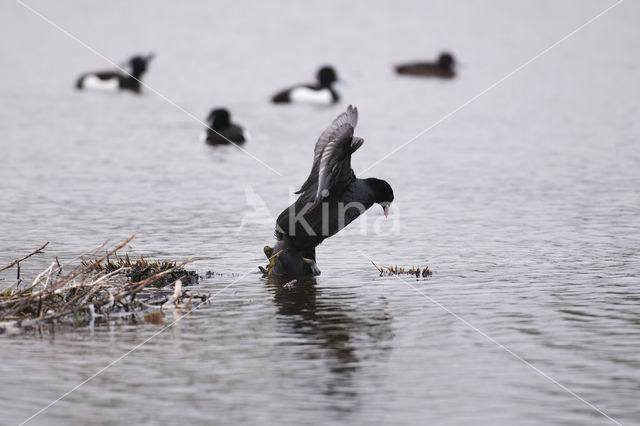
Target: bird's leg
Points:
(312, 264)
(268, 251)
(272, 260)
(265, 272)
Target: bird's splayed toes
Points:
(287, 261)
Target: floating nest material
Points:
(141, 269)
(97, 286)
(396, 270)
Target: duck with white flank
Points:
(330, 199)
(321, 93)
(443, 68)
(222, 131)
(112, 81)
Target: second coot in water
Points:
(222, 131)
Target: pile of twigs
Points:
(395, 270)
(91, 287)
(141, 269)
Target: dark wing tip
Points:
(356, 143)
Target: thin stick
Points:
(377, 267)
(80, 270)
(25, 257)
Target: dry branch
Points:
(24, 257)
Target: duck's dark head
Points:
(446, 61)
(326, 76)
(382, 192)
(139, 64)
(219, 118)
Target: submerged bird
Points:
(112, 81)
(221, 130)
(321, 93)
(444, 68)
(330, 199)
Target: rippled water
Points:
(525, 203)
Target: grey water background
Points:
(526, 204)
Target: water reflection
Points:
(339, 326)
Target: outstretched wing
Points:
(335, 165)
(334, 146)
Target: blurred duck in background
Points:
(113, 81)
(443, 68)
(222, 131)
(320, 93)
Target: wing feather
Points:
(331, 170)
(344, 123)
